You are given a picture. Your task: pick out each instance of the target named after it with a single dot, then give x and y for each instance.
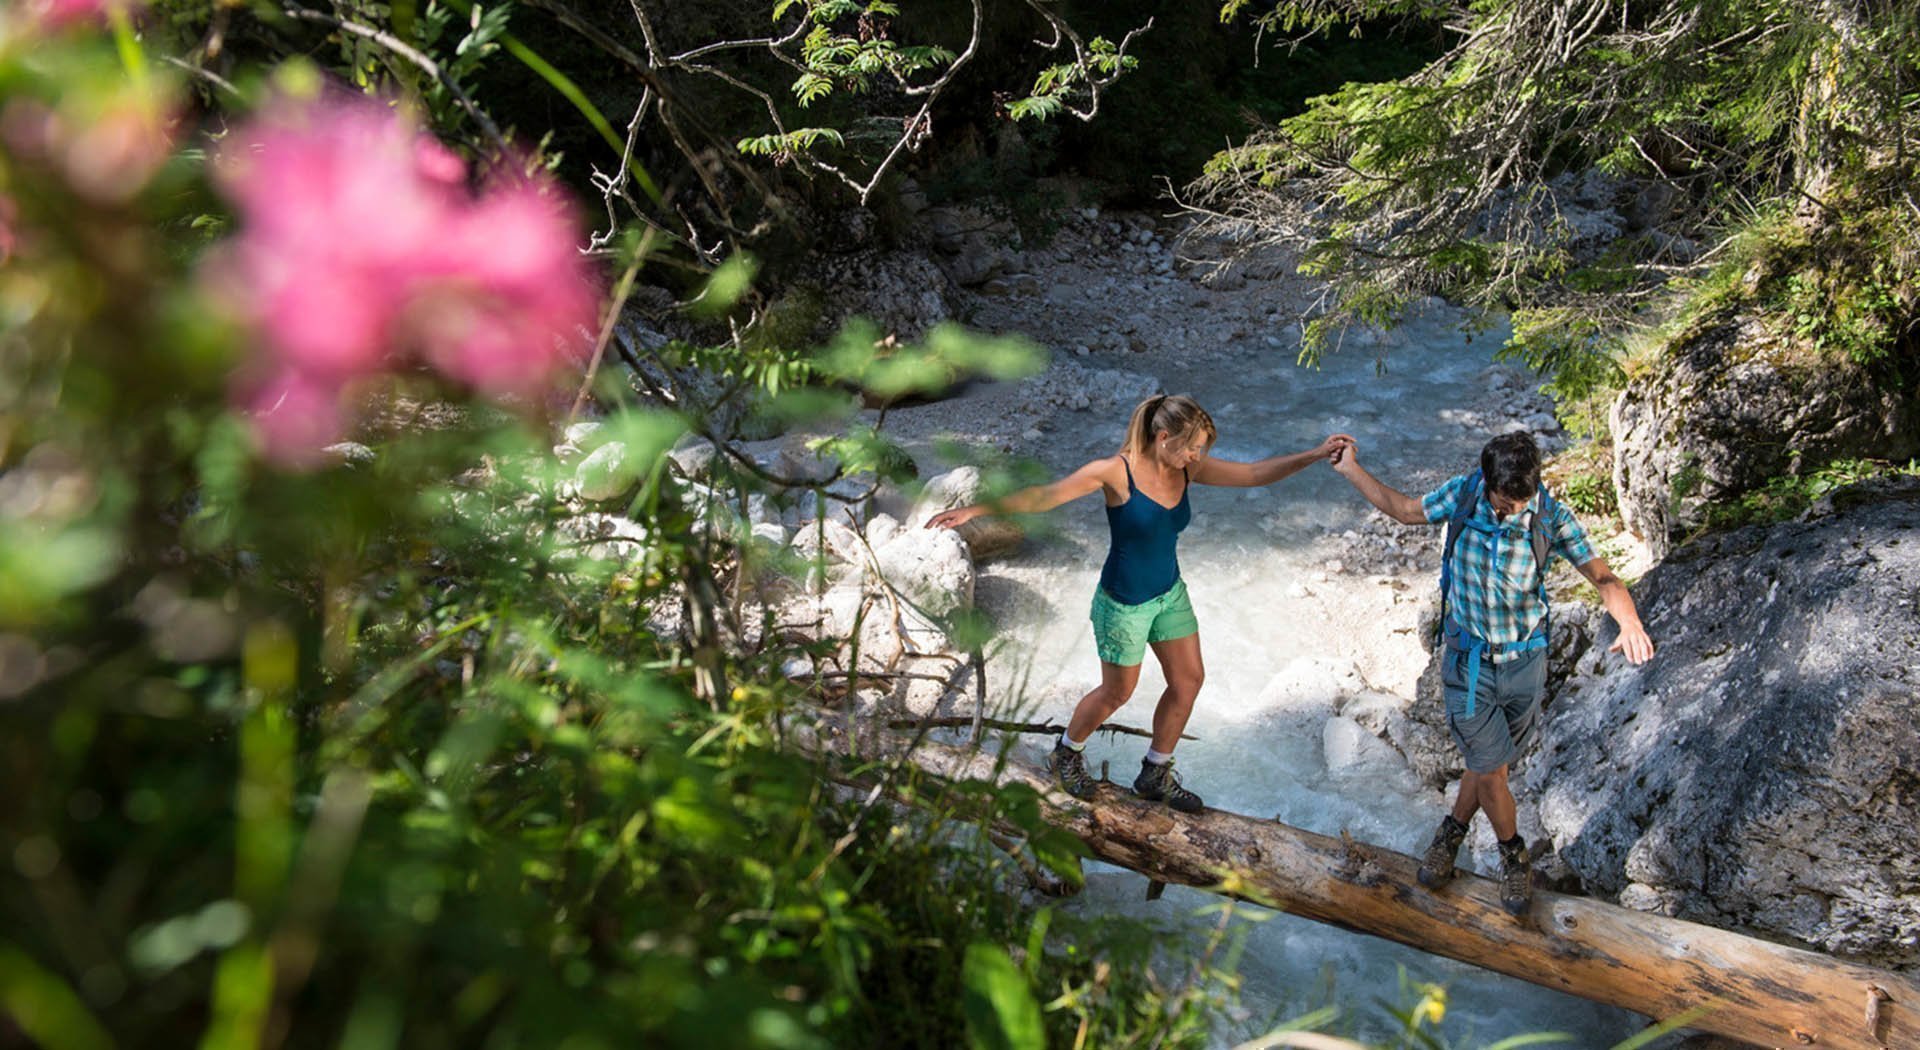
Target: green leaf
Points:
(647, 435)
(727, 285)
(1000, 1010)
(44, 1007)
(1060, 852)
(1037, 941)
(40, 568)
(1039, 107)
(810, 88)
(1531, 1039)
(1654, 1032)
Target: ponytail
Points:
(1177, 414)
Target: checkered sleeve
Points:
(1439, 504)
(1569, 538)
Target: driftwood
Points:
(1750, 989)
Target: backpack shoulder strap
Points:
(1543, 528)
(1462, 510)
(1542, 536)
(1456, 521)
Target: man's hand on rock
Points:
(1633, 641)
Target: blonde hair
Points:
(1177, 414)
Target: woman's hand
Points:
(953, 519)
(1334, 448)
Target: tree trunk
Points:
(1819, 135)
(1753, 990)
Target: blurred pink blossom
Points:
(362, 250)
(9, 218)
(104, 145)
(62, 14)
(295, 416)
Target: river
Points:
(1292, 614)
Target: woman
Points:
(1141, 602)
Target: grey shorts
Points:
(1506, 713)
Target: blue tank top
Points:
(1141, 564)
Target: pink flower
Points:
(57, 15)
(362, 250)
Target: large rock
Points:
(1763, 771)
(608, 472)
(827, 551)
(985, 537)
(930, 567)
(1733, 405)
(1351, 751)
(974, 246)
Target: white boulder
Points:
(985, 537)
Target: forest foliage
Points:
(1770, 147)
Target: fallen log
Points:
(1750, 989)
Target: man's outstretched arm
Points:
(1392, 502)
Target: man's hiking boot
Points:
(1436, 868)
(1157, 783)
(1070, 768)
(1516, 877)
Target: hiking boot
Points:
(1516, 877)
(1070, 768)
(1436, 868)
(1157, 783)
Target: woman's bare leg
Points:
(1180, 661)
(1115, 688)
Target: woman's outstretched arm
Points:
(1210, 471)
(1088, 479)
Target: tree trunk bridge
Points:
(1751, 989)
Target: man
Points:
(1502, 528)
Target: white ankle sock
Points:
(1159, 758)
(1067, 742)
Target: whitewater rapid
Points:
(1288, 624)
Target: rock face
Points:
(1733, 406)
(1764, 770)
(902, 292)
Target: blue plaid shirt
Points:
(1495, 593)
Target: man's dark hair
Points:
(1511, 465)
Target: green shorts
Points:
(1122, 632)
